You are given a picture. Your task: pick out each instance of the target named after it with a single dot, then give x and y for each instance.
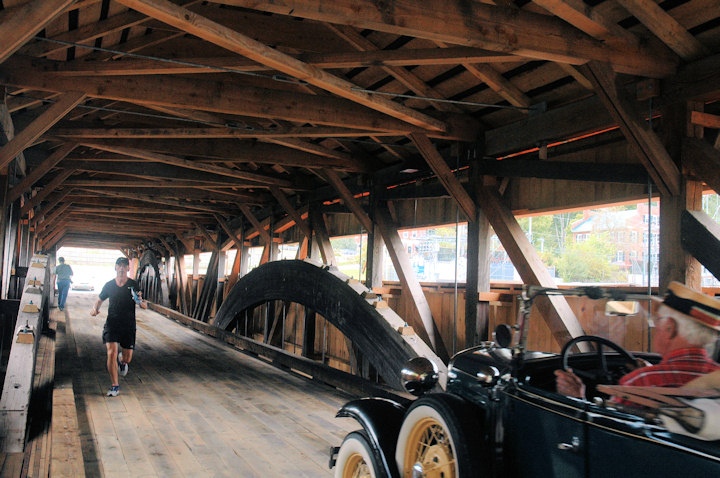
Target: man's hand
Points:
(567, 383)
(94, 312)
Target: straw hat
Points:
(702, 308)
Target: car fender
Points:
(381, 419)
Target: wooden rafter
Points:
(213, 32)
(644, 142)
(445, 175)
(158, 200)
(49, 188)
(666, 28)
(589, 20)
(43, 122)
(18, 24)
(256, 224)
(41, 170)
(220, 97)
(286, 151)
(403, 75)
(329, 60)
(521, 32)
(184, 163)
(292, 212)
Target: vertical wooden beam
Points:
(675, 264)
(478, 271)
(34, 130)
(374, 262)
(308, 339)
(426, 328)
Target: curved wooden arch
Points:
(329, 292)
(150, 279)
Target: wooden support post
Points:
(675, 264)
(308, 340)
(478, 280)
(425, 327)
(374, 262)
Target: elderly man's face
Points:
(663, 334)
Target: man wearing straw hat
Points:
(686, 331)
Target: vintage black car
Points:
(500, 415)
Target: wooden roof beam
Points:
(20, 23)
(184, 163)
(254, 221)
(284, 151)
(219, 132)
(49, 188)
(644, 142)
(589, 20)
(524, 33)
(291, 211)
(327, 60)
(401, 74)
(220, 97)
(666, 28)
(218, 34)
(445, 175)
(158, 200)
(41, 124)
(498, 83)
(41, 170)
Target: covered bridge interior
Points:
(170, 128)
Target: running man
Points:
(119, 330)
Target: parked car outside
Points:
(82, 285)
(500, 416)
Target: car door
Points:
(544, 434)
(624, 445)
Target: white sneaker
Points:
(123, 369)
(114, 391)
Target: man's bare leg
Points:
(112, 365)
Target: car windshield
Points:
(624, 326)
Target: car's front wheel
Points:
(437, 439)
(355, 458)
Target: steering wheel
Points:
(601, 374)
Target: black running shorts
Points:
(124, 336)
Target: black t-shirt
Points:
(121, 310)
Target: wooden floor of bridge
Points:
(193, 406)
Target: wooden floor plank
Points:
(193, 406)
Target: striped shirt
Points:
(676, 369)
